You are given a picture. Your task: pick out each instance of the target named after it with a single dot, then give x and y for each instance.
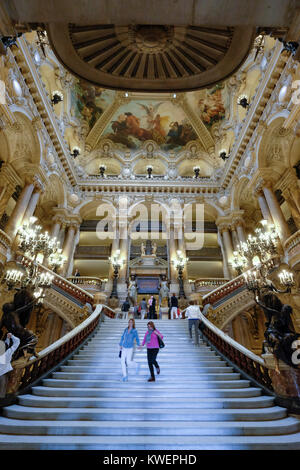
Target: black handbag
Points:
(160, 342)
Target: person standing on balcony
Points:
(151, 340)
(174, 306)
(130, 335)
(193, 315)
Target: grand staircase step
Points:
(162, 378)
(151, 402)
(136, 414)
(156, 428)
(148, 442)
(138, 391)
(163, 384)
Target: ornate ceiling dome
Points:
(151, 57)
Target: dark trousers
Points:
(151, 355)
(152, 314)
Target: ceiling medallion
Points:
(150, 39)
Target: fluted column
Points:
(70, 265)
(19, 210)
(276, 212)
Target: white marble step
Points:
(148, 442)
(162, 384)
(188, 379)
(137, 414)
(156, 428)
(137, 391)
(144, 367)
(150, 402)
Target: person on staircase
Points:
(143, 308)
(151, 340)
(152, 308)
(129, 335)
(125, 308)
(193, 315)
(174, 306)
(7, 349)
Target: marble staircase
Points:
(197, 402)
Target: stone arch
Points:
(237, 191)
(25, 149)
(54, 195)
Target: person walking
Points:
(174, 306)
(151, 340)
(193, 314)
(143, 307)
(129, 335)
(125, 308)
(152, 308)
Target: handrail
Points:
(224, 290)
(55, 353)
(246, 360)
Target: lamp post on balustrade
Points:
(179, 264)
(117, 263)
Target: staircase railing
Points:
(26, 373)
(248, 362)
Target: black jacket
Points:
(174, 301)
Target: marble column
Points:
(234, 238)
(114, 248)
(226, 272)
(19, 210)
(292, 203)
(172, 253)
(68, 248)
(72, 253)
(227, 243)
(263, 206)
(32, 205)
(276, 212)
(56, 228)
(6, 194)
(241, 232)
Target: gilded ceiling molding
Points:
(95, 134)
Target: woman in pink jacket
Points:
(151, 340)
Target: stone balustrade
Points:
(88, 283)
(5, 243)
(292, 249)
(205, 285)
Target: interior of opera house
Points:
(146, 154)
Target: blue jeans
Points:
(194, 322)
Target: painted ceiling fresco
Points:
(142, 120)
(210, 105)
(88, 102)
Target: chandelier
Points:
(28, 274)
(259, 255)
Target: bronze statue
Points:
(280, 333)
(15, 318)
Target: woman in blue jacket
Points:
(126, 346)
